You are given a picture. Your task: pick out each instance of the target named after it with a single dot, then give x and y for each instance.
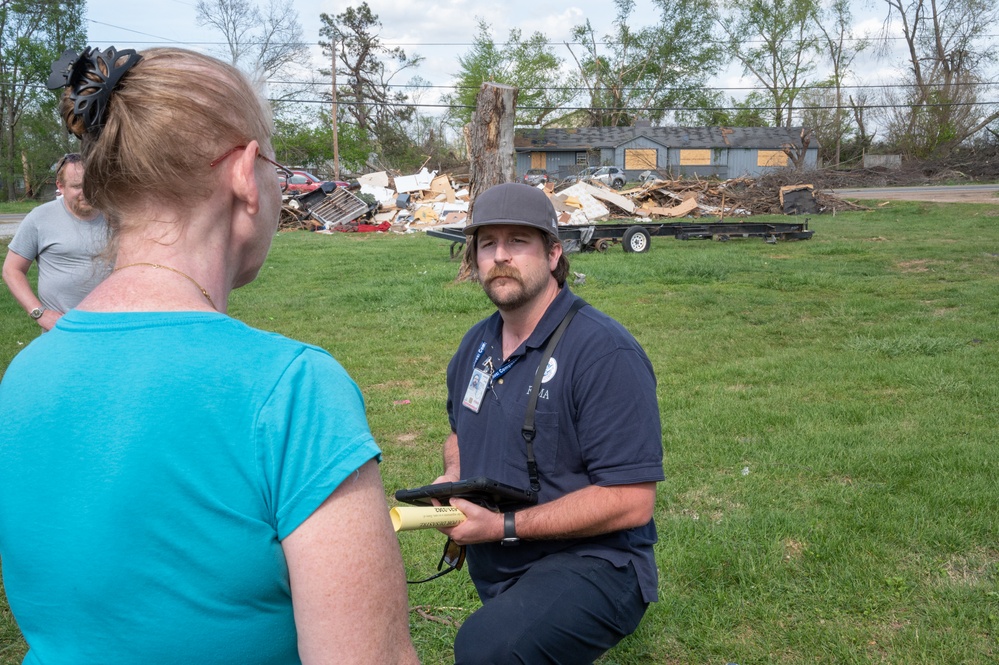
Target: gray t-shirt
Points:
(67, 251)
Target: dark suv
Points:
(536, 177)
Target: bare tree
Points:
(859, 107)
(370, 103)
(840, 48)
(948, 48)
(797, 152)
(261, 42)
(370, 66)
(823, 113)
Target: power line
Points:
(636, 89)
(164, 40)
(664, 109)
(647, 109)
(394, 44)
(584, 108)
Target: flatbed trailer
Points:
(637, 236)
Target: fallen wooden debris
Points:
(684, 208)
(427, 200)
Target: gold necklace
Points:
(184, 275)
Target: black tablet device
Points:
(484, 491)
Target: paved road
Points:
(8, 224)
(936, 193)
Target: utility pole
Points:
(336, 138)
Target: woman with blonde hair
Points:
(176, 486)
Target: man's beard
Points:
(81, 209)
(510, 300)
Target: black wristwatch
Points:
(509, 530)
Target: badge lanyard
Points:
(482, 379)
(489, 363)
(527, 431)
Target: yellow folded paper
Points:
(407, 518)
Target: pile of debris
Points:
(380, 202)
(412, 202)
(777, 193)
(425, 200)
(586, 202)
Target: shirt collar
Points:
(546, 326)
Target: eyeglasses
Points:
(68, 158)
(453, 557)
(283, 171)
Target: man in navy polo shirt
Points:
(565, 580)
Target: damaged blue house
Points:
(671, 152)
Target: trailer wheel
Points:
(601, 245)
(636, 239)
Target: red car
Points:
(303, 182)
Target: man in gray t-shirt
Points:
(65, 237)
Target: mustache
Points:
(502, 271)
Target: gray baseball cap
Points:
(514, 203)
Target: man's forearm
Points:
(590, 511)
(452, 459)
(20, 288)
(15, 275)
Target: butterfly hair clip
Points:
(91, 76)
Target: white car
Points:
(611, 176)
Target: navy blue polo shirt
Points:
(597, 423)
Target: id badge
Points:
(476, 390)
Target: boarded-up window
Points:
(640, 159)
(539, 160)
(695, 157)
(771, 158)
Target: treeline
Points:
(800, 54)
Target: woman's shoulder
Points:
(274, 344)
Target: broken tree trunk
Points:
(490, 136)
(490, 146)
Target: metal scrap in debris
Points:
(330, 206)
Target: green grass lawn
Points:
(18, 207)
(829, 414)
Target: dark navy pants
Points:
(566, 609)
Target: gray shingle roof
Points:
(588, 138)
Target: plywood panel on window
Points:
(771, 158)
(695, 157)
(640, 159)
(539, 160)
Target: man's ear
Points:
(554, 255)
(243, 175)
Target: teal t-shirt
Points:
(150, 465)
